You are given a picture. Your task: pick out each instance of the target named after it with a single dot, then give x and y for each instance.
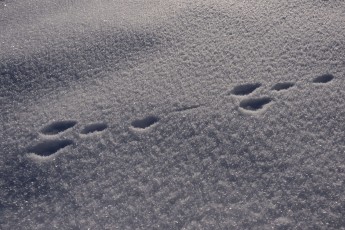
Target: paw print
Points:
(53, 141)
(255, 104)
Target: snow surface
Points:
(162, 114)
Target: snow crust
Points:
(172, 114)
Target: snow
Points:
(172, 114)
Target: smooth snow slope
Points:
(172, 114)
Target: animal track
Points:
(245, 89)
(254, 104)
(95, 127)
(49, 147)
(283, 86)
(145, 123)
(58, 127)
(323, 78)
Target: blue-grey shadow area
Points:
(79, 58)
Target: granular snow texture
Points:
(163, 114)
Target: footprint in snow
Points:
(145, 123)
(48, 148)
(325, 78)
(94, 128)
(282, 86)
(257, 104)
(250, 104)
(57, 127)
(245, 89)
